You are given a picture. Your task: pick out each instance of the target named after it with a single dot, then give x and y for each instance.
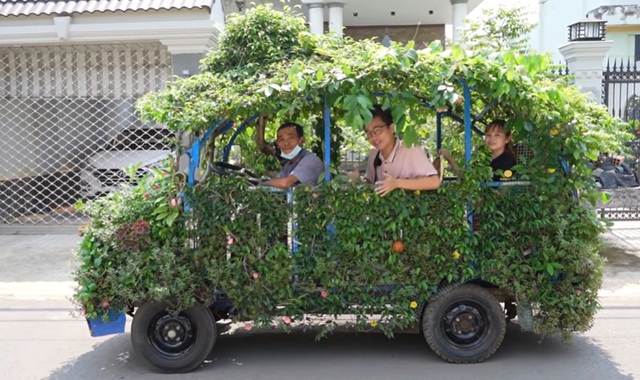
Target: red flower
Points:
(578, 292)
(324, 293)
(286, 319)
(156, 187)
(146, 195)
(315, 195)
(104, 304)
(255, 275)
(173, 202)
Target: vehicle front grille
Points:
(111, 177)
(115, 177)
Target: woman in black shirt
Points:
(503, 158)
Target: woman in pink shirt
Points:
(391, 165)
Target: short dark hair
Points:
(382, 114)
(288, 124)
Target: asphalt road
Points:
(40, 339)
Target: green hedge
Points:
(234, 238)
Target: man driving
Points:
(299, 165)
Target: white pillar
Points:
(217, 14)
(458, 16)
(584, 60)
(316, 15)
(62, 26)
(335, 18)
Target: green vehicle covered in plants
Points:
(183, 249)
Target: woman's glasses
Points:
(375, 131)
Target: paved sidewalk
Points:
(624, 235)
(37, 267)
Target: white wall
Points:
(623, 44)
(557, 15)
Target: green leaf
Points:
(550, 269)
(171, 218)
(409, 136)
(364, 102)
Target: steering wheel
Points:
(224, 168)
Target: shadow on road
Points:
(296, 355)
(619, 258)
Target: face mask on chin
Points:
(292, 154)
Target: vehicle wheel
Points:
(465, 325)
(173, 343)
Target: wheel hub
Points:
(464, 325)
(172, 334)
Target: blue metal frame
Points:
(467, 143)
(194, 158)
(327, 140)
(467, 123)
(227, 148)
(194, 150)
(438, 131)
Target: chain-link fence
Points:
(67, 125)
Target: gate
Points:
(66, 117)
(621, 95)
(621, 89)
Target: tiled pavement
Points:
(625, 235)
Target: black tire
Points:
(173, 343)
(464, 325)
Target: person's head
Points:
(380, 131)
(289, 138)
(497, 136)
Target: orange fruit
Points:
(397, 246)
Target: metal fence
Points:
(67, 125)
(560, 69)
(621, 89)
(621, 95)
